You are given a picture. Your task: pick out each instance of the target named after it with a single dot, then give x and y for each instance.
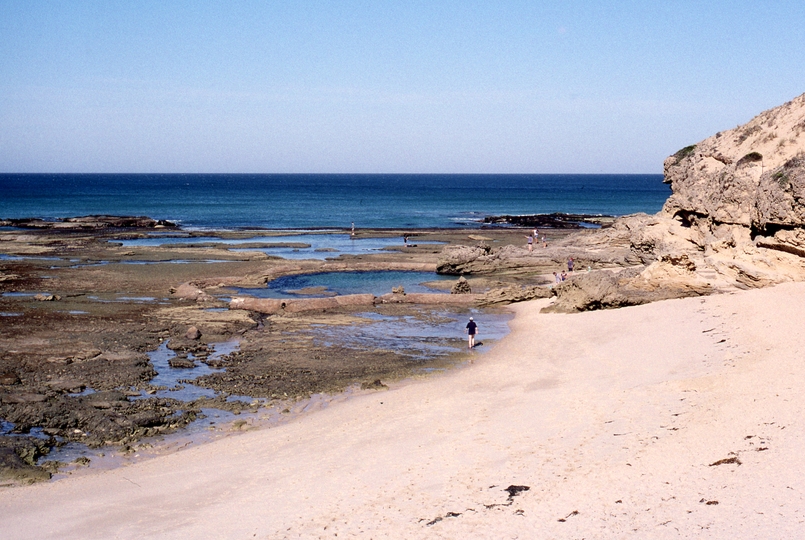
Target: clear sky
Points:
(563, 86)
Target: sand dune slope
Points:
(613, 419)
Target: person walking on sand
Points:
(530, 243)
(472, 331)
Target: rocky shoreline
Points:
(90, 223)
(556, 220)
(81, 313)
(74, 317)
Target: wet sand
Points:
(674, 419)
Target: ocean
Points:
(313, 201)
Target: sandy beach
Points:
(677, 419)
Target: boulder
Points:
(192, 333)
(461, 286)
(666, 279)
(16, 469)
(377, 384)
(189, 291)
(181, 362)
(454, 259)
(514, 293)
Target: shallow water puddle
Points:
(441, 333)
(292, 246)
(113, 298)
(21, 294)
(322, 284)
(177, 382)
(7, 257)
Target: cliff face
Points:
(735, 219)
(752, 176)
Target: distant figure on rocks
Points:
(570, 265)
(564, 275)
(530, 242)
(557, 278)
(472, 330)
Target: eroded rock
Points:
(461, 286)
(752, 176)
(192, 333)
(630, 287)
(514, 293)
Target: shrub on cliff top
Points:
(683, 153)
(751, 157)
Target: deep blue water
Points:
(299, 201)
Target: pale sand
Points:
(616, 415)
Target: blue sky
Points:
(407, 86)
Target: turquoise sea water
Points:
(282, 201)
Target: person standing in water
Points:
(353, 229)
(472, 331)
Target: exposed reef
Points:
(90, 222)
(556, 220)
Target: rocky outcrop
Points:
(192, 333)
(462, 286)
(91, 222)
(752, 176)
(557, 220)
(190, 291)
(514, 293)
(456, 260)
(270, 306)
(669, 277)
(610, 247)
(735, 219)
(428, 298)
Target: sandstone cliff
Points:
(735, 219)
(752, 176)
